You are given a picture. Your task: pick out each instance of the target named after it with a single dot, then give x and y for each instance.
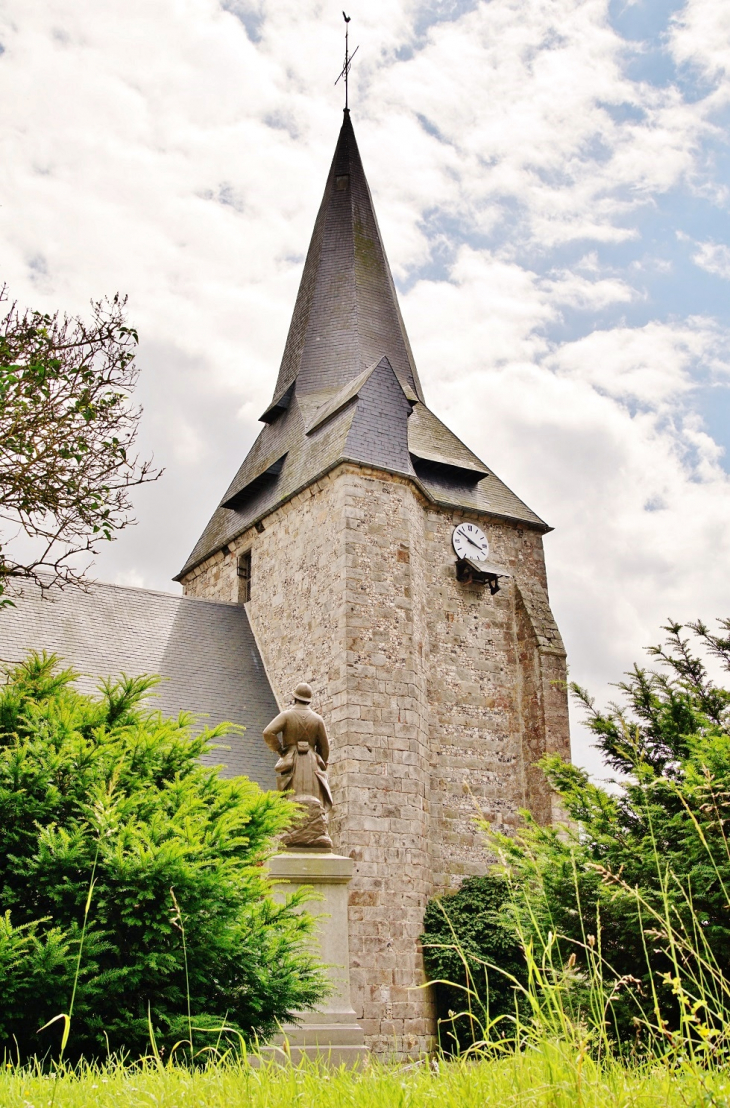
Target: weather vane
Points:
(348, 59)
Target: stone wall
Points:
(297, 600)
(438, 698)
(487, 686)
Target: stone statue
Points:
(299, 736)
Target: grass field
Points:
(544, 1077)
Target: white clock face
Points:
(470, 542)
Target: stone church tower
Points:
(337, 535)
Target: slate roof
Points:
(346, 314)
(205, 650)
(348, 388)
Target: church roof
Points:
(204, 650)
(348, 388)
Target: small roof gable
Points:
(334, 404)
(365, 423)
(378, 435)
(254, 492)
(204, 650)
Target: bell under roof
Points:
(348, 388)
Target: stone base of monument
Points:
(331, 1033)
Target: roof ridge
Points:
(95, 583)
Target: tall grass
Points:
(544, 1076)
(571, 989)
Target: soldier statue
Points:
(298, 735)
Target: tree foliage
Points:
(635, 887)
(101, 793)
(67, 435)
(469, 945)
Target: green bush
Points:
(103, 788)
(625, 908)
(465, 938)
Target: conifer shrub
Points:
(622, 912)
(132, 876)
(466, 937)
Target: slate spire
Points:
(346, 314)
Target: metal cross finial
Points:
(348, 59)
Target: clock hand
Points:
(474, 544)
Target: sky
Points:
(552, 181)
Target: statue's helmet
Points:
(303, 692)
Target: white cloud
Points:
(569, 288)
(701, 37)
(525, 96)
(714, 257)
(652, 365)
(131, 578)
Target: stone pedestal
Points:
(332, 1031)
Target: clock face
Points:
(470, 542)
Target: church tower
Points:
(436, 668)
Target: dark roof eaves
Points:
(540, 525)
(536, 525)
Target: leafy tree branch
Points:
(68, 430)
